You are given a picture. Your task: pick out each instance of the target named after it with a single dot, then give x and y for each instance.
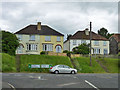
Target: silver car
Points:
(62, 69)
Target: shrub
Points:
(43, 53)
(65, 51)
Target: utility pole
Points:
(90, 43)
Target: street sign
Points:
(46, 66)
(33, 66)
(38, 66)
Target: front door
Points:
(20, 49)
(58, 49)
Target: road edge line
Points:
(91, 84)
(11, 86)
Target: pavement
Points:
(43, 80)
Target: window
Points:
(32, 37)
(83, 41)
(47, 38)
(32, 47)
(104, 43)
(19, 37)
(105, 51)
(96, 43)
(66, 66)
(74, 42)
(96, 51)
(58, 39)
(47, 47)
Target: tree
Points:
(104, 32)
(9, 43)
(68, 36)
(82, 49)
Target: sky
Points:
(65, 17)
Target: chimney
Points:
(39, 26)
(86, 31)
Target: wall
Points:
(39, 40)
(66, 45)
(53, 41)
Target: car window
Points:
(60, 66)
(66, 66)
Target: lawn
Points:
(85, 68)
(8, 63)
(42, 59)
(111, 64)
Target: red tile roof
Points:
(116, 37)
(82, 35)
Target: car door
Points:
(61, 69)
(66, 69)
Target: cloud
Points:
(66, 17)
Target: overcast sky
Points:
(65, 17)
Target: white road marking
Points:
(67, 84)
(11, 86)
(91, 84)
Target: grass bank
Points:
(110, 63)
(8, 63)
(41, 59)
(85, 68)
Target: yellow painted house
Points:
(34, 39)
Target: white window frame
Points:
(74, 42)
(104, 43)
(19, 37)
(83, 41)
(105, 50)
(32, 47)
(47, 38)
(58, 38)
(32, 37)
(96, 43)
(47, 47)
(97, 51)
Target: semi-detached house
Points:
(34, 39)
(100, 45)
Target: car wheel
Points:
(72, 72)
(56, 72)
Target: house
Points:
(34, 39)
(99, 44)
(114, 44)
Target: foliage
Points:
(9, 43)
(8, 63)
(42, 53)
(111, 64)
(86, 68)
(68, 36)
(81, 49)
(104, 32)
(42, 59)
(65, 51)
(69, 54)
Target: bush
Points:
(65, 51)
(43, 53)
(69, 54)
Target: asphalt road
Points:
(39, 80)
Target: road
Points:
(42, 80)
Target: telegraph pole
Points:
(90, 43)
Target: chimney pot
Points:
(39, 26)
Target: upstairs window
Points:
(47, 38)
(74, 42)
(83, 41)
(104, 43)
(32, 37)
(58, 38)
(96, 43)
(19, 37)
